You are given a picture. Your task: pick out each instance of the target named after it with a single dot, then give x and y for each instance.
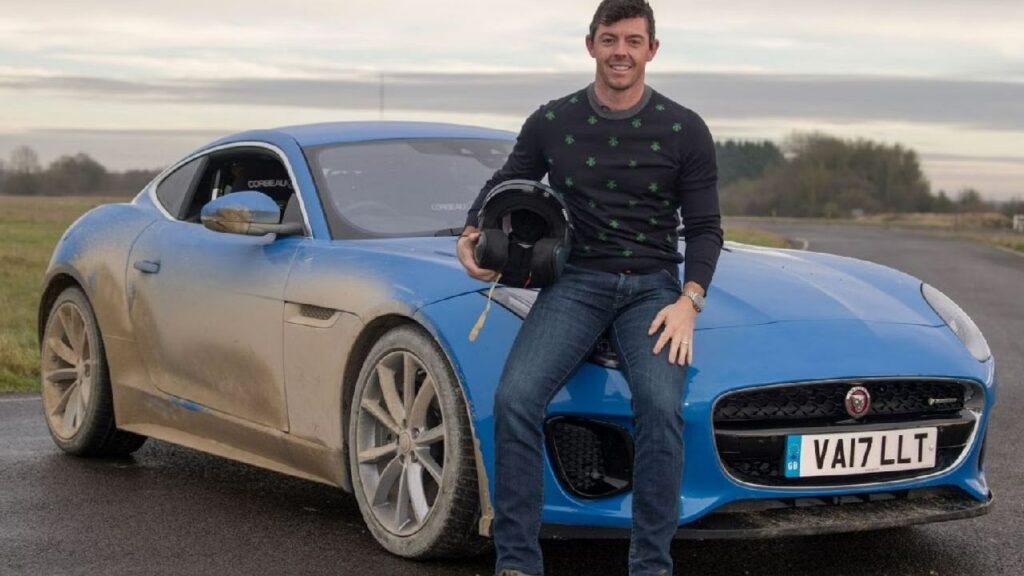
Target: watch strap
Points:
(696, 298)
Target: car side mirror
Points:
(250, 213)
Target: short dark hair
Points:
(611, 11)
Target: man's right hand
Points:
(465, 248)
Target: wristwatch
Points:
(696, 298)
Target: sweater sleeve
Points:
(698, 200)
(526, 161)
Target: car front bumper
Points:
(810, 516)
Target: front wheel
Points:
(77, 399)
(411, 451)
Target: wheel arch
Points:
(56, 283)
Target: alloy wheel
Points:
(68, 370)
(400, 443)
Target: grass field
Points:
(756, 237)
(30, 228)
(983, 227)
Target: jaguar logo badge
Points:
(858, 401)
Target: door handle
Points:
(147, 266)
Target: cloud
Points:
(193, 36)
(943, 76)
(972, 105)
(995, 178)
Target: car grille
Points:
(825, 402)
(751, 426)
(591, 458)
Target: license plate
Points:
(860, 452)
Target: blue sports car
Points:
(290, 298)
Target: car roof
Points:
(344, 132)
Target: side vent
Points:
(310, 315)
(316, 312)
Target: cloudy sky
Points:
(137, 84)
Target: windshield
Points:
(416, 187)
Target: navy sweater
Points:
(627, 176)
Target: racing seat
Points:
(267, 176)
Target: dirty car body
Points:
(253, 347)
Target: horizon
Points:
(138, 87)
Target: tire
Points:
(78, 404)
(418, 452)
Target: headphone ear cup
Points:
(548, 260)
(491, 251)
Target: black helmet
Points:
(526, 233)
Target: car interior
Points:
(250, 169)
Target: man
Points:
(628, 161)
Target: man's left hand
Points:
(678, 320)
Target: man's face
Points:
(622, 51)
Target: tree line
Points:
(817, 175)
(809, 175)
(68, 175)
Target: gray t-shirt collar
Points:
(606, 112)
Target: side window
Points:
(173, 189)
(235, 170)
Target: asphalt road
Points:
(170, 510)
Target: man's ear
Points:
(654, 50)
(590, 45)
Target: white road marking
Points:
(802, 241)
(29, 399)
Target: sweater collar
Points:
(606, 112)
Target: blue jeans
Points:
(559, 334)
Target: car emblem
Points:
(858, 401)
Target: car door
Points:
(207, 309)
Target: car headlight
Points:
(959, 322)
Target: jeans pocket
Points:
(673, 278)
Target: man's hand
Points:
(678, 320)
(464, 249)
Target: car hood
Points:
(751, 286)
(755, 285)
